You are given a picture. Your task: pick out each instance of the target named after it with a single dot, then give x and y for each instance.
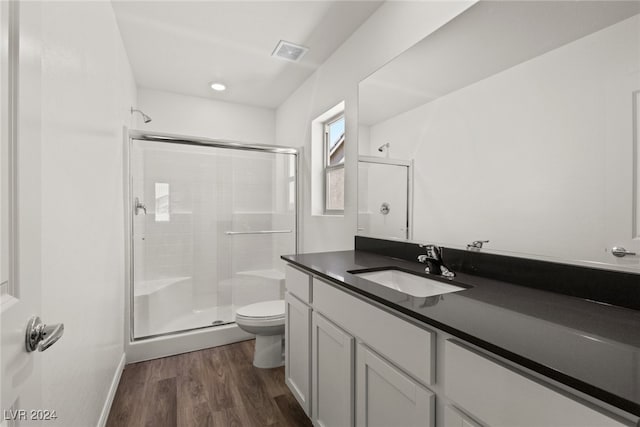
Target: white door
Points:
(385, 396)
(20, 215)
(332, 374)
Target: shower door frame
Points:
(139, 135)
(393, 162)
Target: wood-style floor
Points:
(213, 387)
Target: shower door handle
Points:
(233, 233)
(138, 205)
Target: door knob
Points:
(620, 252)
(40, 336)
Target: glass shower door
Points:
(384, 195)
(208, 231)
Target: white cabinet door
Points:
(332, 374)
(385, 396)
(454, 418)
(297, 350)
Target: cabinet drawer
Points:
(500, 396)
(409, 347)
(298, 283)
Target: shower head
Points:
(383, 146)
(145, 118)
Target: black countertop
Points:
(590, 346)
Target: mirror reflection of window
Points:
(335, 141)
(162, 202)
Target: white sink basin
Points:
(408, 283)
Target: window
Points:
(328, 152)
(162, 202)
(291, 180)
(334, 152)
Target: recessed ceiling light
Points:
(218, 87)
(289, 51)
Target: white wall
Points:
(190, 115)
(527, 157)
(87, 90)
(393, 28)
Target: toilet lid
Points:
(263, 310)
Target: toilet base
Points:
(268, 352)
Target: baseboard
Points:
(102, 421)
(153, 348)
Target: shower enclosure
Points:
(208, 223)
(385, 197)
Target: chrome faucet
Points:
(433, 259)
(477, 244)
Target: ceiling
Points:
(183, 46)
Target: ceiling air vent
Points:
(289, 51)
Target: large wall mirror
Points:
(522, 122)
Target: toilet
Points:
(265, 320)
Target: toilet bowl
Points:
(266, 321)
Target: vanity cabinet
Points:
(385, 396)
(406, 345)
(350, 362)
(380, 379)
(514, 398)
(332, 376)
